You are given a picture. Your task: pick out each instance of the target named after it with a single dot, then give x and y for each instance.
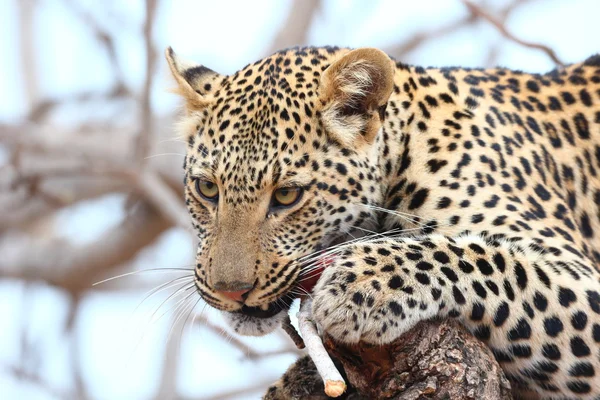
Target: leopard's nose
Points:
(236, 291)
(238, 295)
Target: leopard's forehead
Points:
(293, 70)
(265, 90)
(262, 124)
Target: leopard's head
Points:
(282, 156)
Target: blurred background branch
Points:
(107, 147)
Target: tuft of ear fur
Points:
(194, 82)
(354, 92)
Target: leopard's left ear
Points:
(195, 82)
(354, 92)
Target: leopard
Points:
(393, 194)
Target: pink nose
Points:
(236, 296)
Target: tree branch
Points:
(434, 360)
(418, 39)
(478, 11)
(76, 268)
(163, 198)
(295, 28)
(143, 139)
(401, 50)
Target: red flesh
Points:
(309, 284)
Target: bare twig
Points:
(295, 28)
(419, 38)
(170, 360)
(476, 10)
(45, 106)
(219, 331)
(27, 49)
(143, 140)
(163, 198)
(74, 350)
(335, 385)
(38, 381)
(119, 89)
(503, 15)
(288, 328)
(101, 35)
(246, 350)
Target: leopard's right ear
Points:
(195, 82)
(354, 92)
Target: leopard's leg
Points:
(522, 300)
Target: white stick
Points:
(334, 383)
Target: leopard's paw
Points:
(366, 295)
(352, 307)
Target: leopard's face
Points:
(274, 173)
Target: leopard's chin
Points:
(260, 321)
(247, 325)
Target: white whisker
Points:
(198, 315)
(164, 154)
(187, 319)
(142, 271)
(332, 249)
(160, 288)
(181, 313)
(314, 261)
(171, 140)
(415, 219)
(150, 320)
(183, 290)
(300, 291)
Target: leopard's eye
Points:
(286, 197)
(207, 190)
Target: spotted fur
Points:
(485, 184)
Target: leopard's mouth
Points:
(282, 304)
(306, 284)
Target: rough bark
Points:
(435, 360)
